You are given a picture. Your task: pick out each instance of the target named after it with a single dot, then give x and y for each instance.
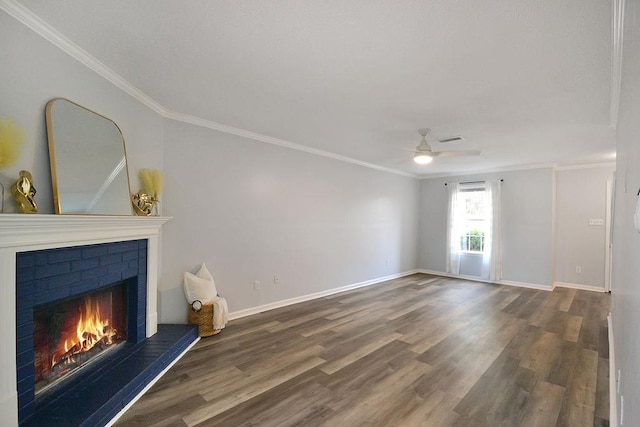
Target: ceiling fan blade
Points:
(457, 153)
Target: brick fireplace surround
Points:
(26, 233)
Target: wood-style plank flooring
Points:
(417, 351)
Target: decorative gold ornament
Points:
(146, 201)
(142, 204)
(24, 192)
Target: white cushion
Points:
(203, 273)
(199, 286)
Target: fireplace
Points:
(59, 291)
(68, 335)
(24, 244)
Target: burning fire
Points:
(91, 331)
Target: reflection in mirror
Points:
(88, 161)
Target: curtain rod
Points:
(480, 182)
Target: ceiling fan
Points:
(424, 153)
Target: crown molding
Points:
(197, 121)
(617, 39)
(586, 166)
(40, 27)
(553, 166)
(494, 170)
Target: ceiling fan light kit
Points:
(422, 158)
(424, 154)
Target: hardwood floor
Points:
(417, 351)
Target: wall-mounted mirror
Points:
(88, 161)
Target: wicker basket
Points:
(204, 320)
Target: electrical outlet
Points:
(621, 410)
(386, 263)
(596, 221)
(276, 279)
(256, 285)
(578, 269)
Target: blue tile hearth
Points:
(108, 386)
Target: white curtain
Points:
(492, 253)
(492, 256)
(453, 232)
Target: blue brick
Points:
(26, 406)
(27, 301)
(24, 358)
(85, 264)
(142, 253)
(52, 270)
(51, 296)
(64, 255)
(94, 251)
(126, 256)
(110, 279)
(24, 315)
(40, 286)
(24, 330)
(63, 280)
(41, 258)
(94, 273)
(25, 383)
(119, 267)
(110, 259)
(129, 273)
(25, 260)
(25, 273)
(25, 371)
(24, 289)
(83, 287)
(141, 307)
(24, 344)
(123, 246)
(142, 265)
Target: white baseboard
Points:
(613, 392)
(303, 298)
(579, 286)
(497, 282)
(144, 390)
(526, 285)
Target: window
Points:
(473, 227)
(473, 219)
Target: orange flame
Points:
(91, 329)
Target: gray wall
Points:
(626, 243)
(527, 221)
(253, 210)
(581, 194)
(33, 72)
(249, 209)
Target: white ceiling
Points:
(526, 82)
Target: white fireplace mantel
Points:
(21, 233)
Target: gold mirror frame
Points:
(88, 158)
